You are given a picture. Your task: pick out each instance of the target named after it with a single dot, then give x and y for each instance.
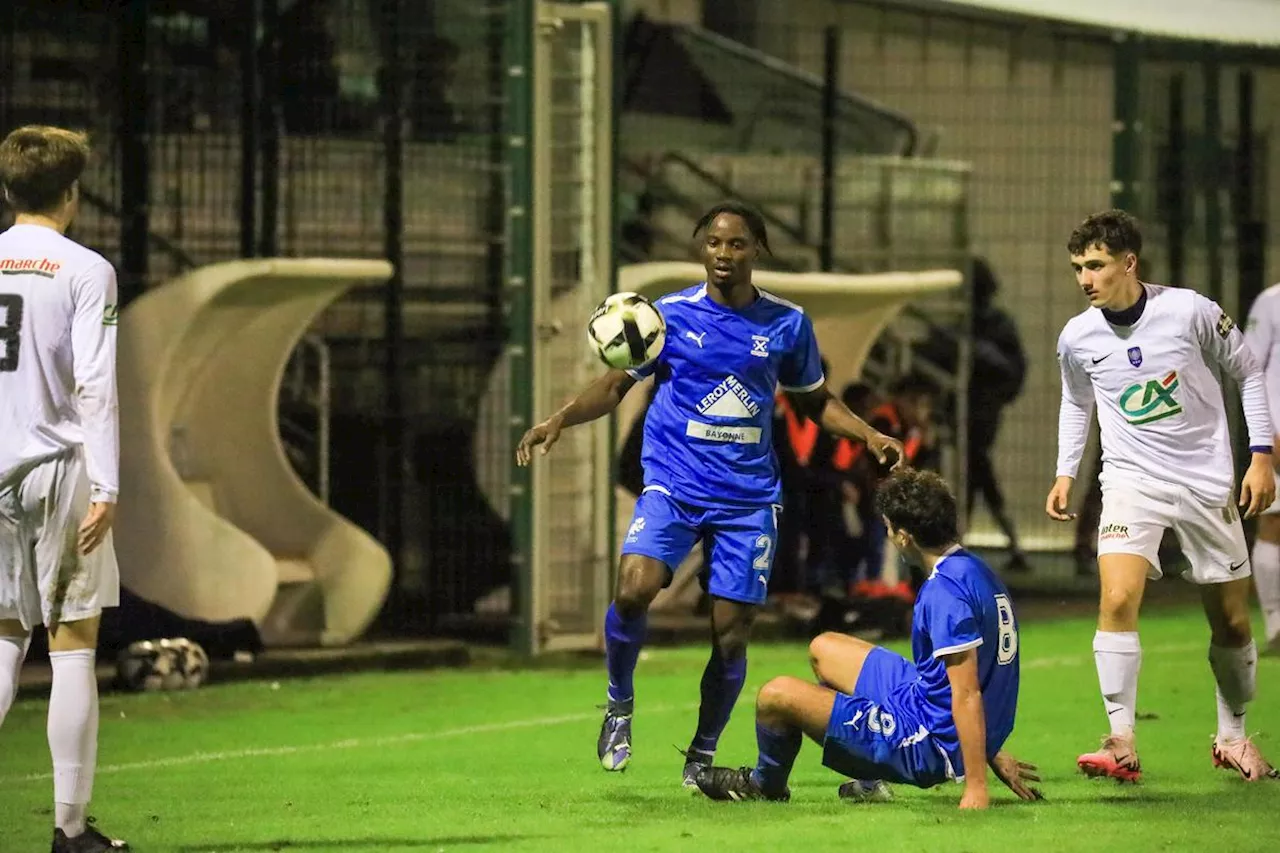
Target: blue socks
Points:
(778, 751)
(623, 639)
(722, 682)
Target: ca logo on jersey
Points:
(1151, 401)
(111, 315)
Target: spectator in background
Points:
(996, 377)
(800, 538)
(998, 373)
(907, 416)
(845, 475)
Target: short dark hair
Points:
(1115, 230)
(39, 164)
(921, 504)
(748, 214)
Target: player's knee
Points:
(638, 584)
(74, 636)
(1119, 603)
(821, 648)
(775, 695)
(732, 643)
(1233, 629)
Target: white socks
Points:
(1236, 671)
(1118, 655)
(73, 736)
(1266, 578)
(13, 650)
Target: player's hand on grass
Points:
(546, 433)
(975, 797)
(97, 523)
(1258, 488)
(882, 445)
(1059, 496)
(1016, 774)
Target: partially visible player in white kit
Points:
(59, 457)
(1263, 334)
(1145, 355)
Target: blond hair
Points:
(39, 165)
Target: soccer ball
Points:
(177, 664)
(627, 331)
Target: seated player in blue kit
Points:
(710, 472)
(883, 718)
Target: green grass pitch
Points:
(491, 758)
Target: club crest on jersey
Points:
(760, 346)
(1225, 325)
(1135, 356)
(1150, 401)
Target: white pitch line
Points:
(483, 728)
(351, 743)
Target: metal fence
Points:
(1058, 121)
(370, 128)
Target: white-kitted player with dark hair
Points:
(59, 457)
(1145, 356)
(1263, 334)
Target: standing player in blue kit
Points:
(710, 472)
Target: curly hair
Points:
(1116, 230)
(748, 214)
(921, 504)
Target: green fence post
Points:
(518, 133)
(1128, 121)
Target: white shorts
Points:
(1136, 514)
(43, 577)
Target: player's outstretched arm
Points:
(595, 401)
(971, 725)
(822, 407)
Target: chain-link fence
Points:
(362, 128)
(1056, 121)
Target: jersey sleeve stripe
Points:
(805, 389)
(963, 647)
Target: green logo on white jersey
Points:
(1150, 401)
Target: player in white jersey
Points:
(1144, 354)
(1263, 334)
(59, 457)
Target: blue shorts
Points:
(739, 542)
(877, 733)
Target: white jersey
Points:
(58, 316)
(1160, 404)
(1262, 333)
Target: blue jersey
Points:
(708, 431)
(963, 605)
